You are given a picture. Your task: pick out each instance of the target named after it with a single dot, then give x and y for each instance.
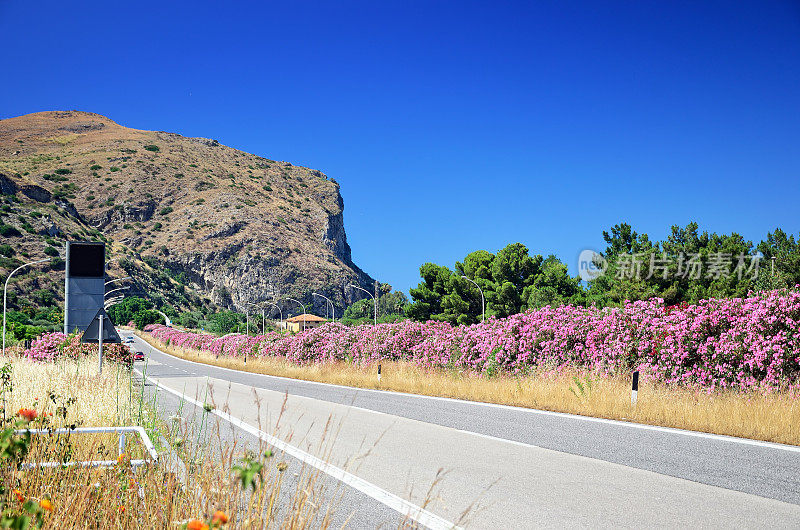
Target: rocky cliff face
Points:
(231, 226)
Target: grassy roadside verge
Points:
(222, 483)
(769, 417)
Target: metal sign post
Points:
(100, 344)
(98, 332)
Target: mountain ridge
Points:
(236, 227)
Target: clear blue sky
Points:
(454, 126)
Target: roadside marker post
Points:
(98, 332)
(379, 373)
(635, 387)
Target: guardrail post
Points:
(122, 443)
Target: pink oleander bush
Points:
(52, 346)
(739, 343)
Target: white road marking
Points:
(618, 423)
(400, 505)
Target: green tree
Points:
(124, 311)
(391, 307)
(511, 280)
(145, 317)
(225, 322)
(428, 294)
(554, 286)
(686, 267)
(786, 251)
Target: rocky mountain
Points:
(191, 219)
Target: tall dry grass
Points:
(205, 474)
(95, 399)
(771, 417)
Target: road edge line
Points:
(398, 504)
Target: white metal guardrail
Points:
(122, 431)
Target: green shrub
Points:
(6, 250)
(54, 178)
(113, 169)
(57, 264)
(44, 297)
(95, 167)
(50, 251)
(9, 231)
(63, 171)
(152, 147)
(166, 210)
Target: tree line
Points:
(687, 266)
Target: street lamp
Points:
(117, 289)
(118, 280)
(304, 311)
(5, 288)
(373, 299)
(278, 307)
(247, 311)
(483, 300)
(113, 301)
(327, 301)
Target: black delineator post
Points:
(379, 373)
(635, 387)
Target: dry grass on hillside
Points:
(772, 417)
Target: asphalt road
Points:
(503, 467)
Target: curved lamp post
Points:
(5, 289)
(280, 311)
(115, 290)
(328, 301)
(113, 301)
(167, 320)
(304, 310)
(483, 300)
(247, 310)
(118, 280)
(373, 299)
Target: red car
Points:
(138, 356)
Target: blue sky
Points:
(454, 126)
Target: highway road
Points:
(503, 467)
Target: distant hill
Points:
(192, 220)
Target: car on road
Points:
(128, 340)
(138, 356)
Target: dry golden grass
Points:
(154, 496)
(773, 417)
(98, 399)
